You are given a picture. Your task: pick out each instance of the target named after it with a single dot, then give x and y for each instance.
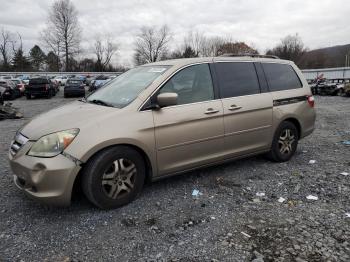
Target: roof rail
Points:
(251, 55)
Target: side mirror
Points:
(167, 99)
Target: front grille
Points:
(19, 141)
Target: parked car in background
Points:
(346, 91)
(20, 85)
(88, 80)
(2, 91)
(61, 80)
(99, 82)
(6, 77)
(81, 77)
(40, 87)
(74, 87)
(163, 119)
(326, 87)
(55, 84)
(11, 92)
(24, 78)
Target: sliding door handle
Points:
(211, 111)
(234, 107)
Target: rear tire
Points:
(28, 96)
(113, 177)
(284, 143)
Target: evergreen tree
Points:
(20, 62)
(53, 62)
(189, 52)
(37, 57)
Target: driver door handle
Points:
(211, 111)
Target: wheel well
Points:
(296, 123)
(77, 181)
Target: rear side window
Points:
(37, 81)
(281, 77)
(237, 79)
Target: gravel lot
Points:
(227, 222)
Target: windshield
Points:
(125, 88)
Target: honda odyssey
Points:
(162, 119)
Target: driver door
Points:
(190, 133)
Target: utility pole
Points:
(347, 60)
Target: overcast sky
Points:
(261, 23)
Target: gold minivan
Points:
(162, 119)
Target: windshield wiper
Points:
(100, 102)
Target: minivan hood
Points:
(73, 115)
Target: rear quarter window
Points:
(281, 77)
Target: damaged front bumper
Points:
(47, 180)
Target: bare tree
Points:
(63, 33)
(53, 43)
(104, 51)
(151, 44)
(211, 46)
(290, 48)
(195, 41)
(5, 47)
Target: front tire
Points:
(113, 177)
(284, 143)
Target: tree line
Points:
(62, 37)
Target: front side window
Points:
(237, 79)
(192, 84)
(125, 88)
(281, 77)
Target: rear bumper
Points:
(46, 180)
(37, 92)
(74, 92)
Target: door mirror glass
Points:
(167, 99)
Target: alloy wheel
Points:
(119, 178)
(285, 141)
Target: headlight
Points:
(53, 144)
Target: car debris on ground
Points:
(7, 111)
(196, 193)
(311, 197)
(281, 199)
(346, 142)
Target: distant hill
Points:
(325, 57)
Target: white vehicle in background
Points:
(61, 80)
(6, 77)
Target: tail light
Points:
(311, 101)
